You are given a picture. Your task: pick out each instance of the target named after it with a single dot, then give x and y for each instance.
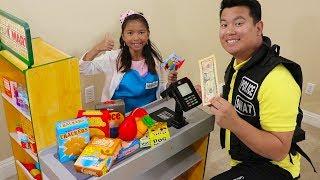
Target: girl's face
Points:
(136, 36)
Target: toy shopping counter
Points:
(184, 153)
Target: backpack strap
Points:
(299, 150)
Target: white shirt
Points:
(107, 63)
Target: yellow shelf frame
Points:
(53, 87)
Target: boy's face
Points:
(239, 36)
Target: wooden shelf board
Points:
(6, 97)
(25, 171)
(32, 154)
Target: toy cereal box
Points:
(98, 122)
(72, 137)
(97, 158)
(117, 113)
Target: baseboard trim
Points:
(7, 168)
(311, 118)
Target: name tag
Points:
(152, 85)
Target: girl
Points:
(134, 69)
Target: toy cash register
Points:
(186, 98)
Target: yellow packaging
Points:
(158, 133)
(97, 158)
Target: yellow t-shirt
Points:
(278, 97)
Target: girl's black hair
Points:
(149, 50)
(253, 5)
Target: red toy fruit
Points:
(138, 113)
(128, 129)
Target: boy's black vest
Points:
(245, 101)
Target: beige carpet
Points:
(218, 159)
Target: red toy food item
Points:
(138, 113)
(128, 129)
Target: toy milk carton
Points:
(117, 114)
(98, 157)
(72, 137)
(98, 122)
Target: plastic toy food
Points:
(138, 113)
(128, 129)
(141, 128)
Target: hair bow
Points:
(124, 15)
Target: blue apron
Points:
(136, 90)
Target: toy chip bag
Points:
(97, 158)
(98, 122)
(72, 137)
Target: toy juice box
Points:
(158, 133)
(72, 137)
(98, 157)
(98, 122)
(117, 114)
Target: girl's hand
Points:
(106, 45)
(172, 77)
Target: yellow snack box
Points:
(158, 133)
(97, 158)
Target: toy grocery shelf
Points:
(15, 137)
(167, 160)
(6, 97)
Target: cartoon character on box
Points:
(98, 122)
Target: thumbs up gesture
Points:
(106, 44)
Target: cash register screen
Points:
(184, 89)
